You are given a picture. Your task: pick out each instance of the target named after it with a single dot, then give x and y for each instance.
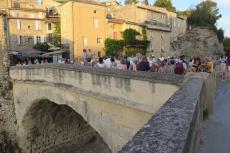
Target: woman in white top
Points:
(101, 63)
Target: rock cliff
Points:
(197, 42)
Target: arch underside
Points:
(53, 128)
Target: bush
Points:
(42, 47)
(113, 47)
(129, 36)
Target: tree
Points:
(131, 2)
(165, 4)
(205, 14)
(227, 45)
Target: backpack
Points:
(179, 69)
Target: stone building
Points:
(162, 26)
(29, 24)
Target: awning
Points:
(28, 52)
(54, 53)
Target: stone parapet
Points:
(176, 127)
(145, 76)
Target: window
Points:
(31, 15)
(95, 11)
(19, 40)
(50, 37)
(114, 35)
(95, 23)
(99, 41)
(30, 40)
(40, 15)
(19, 24)
(49, 26)
(38, 39)
(38, 25)
(14, 14)
(85, 41)
(113, 26)
(16, 5)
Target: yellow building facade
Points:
(83, 26)
(115, 28)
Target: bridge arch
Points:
(110, 120)
(49, 127)
(107, 100)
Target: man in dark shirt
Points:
(144, 65)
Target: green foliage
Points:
(144, 34)
(206, 14)
(130, 44)
(186, 13)
(165, 4)
(129, 36)
(57, 34)
(227, 45)
(113, 47)
(131, 2)
(42, 47)
(220, 35)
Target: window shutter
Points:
(42, 39)
(18, 24)
(35, 40)
(18, 40)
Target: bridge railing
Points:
(177, 126)
(146, 76)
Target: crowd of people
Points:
(178, 65)
(164, 65)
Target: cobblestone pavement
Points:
(216, 132)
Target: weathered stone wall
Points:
(7, 115)
(197, 42)
(176, 127)
(113, 102)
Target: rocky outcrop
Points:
(199, 41)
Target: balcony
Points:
(52, 13)
(156, 25)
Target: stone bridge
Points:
(64, 106)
